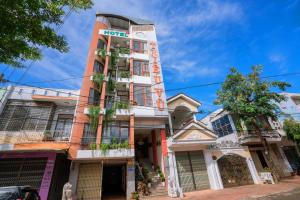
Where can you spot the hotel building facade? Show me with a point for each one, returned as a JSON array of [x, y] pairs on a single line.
[[121, 117]]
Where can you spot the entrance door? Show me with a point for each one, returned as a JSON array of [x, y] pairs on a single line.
[[113, 181], [234, 171], [192, 171], [89, 181]]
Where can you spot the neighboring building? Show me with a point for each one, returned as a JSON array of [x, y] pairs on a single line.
[[199, 159], [123, 91], [35, 128], [290, 109], [226, 127]]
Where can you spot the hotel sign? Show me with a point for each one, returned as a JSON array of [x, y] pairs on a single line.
[[113, 33], [156, 72]]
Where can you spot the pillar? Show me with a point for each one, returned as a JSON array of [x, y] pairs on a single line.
[[131, 131], [154, 148]]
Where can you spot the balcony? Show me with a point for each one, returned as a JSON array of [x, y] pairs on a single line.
[[253, 138], [108, 154]]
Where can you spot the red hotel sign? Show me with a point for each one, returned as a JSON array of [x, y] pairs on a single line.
[[157, 77]]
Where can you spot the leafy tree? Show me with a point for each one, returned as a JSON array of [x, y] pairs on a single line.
[[27, 25], [250, 98], [292, 129]]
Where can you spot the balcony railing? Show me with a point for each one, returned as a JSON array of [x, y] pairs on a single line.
[[253, 136], [28, 136]]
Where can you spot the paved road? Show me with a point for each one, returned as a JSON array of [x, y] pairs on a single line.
[[290, 195]]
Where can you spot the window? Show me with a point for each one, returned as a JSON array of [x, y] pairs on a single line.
[[89, 135], [98, 67], [101, 44], [118, 131], [222, 126], [140, 68], [94, 97], [63, 126], [139, 46], [24, 117], [142, 95]]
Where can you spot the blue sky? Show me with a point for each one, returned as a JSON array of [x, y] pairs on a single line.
[[199, 41]]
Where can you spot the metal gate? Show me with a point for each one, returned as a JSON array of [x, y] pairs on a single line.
[[234, 171], [89, 181], [22, 171], [192, 171]]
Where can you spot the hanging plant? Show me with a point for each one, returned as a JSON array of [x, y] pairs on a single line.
[[111, 85], [94, 112], [124, 50], [122, 105], [101, 52], [109, 114], [114, 58], [125, 74], [98, 79]]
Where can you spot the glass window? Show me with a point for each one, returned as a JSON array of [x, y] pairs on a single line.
[[118, 130], [98, 66], [139, 46], [23, 117], [222, 126], [101, 44], [143, 95], [89, 135], [63, 126], [140, 68], [94, 97]]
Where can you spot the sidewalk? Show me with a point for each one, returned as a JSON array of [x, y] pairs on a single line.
[[244, 192]]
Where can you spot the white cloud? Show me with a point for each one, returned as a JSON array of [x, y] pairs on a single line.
[[186, 70], [276, 58], [175, 26]]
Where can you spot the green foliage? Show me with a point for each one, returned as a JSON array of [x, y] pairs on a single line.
[[94, 112], [93, 146], [111, 85], [121, 105], [101, 53], [98, 79], [28, 25], [125, 74], [114, 59], [109, 114], [292, 129], [104, 147], [135, 195], [249, 97], [124, 50]]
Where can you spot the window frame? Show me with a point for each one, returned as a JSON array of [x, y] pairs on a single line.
[[142, 89], [144, 65]]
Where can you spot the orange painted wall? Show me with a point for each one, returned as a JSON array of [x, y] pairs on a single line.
[[81, 118]]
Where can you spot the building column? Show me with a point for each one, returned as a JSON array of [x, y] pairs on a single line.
[[103, 93], [131, 131], [130, 179], [46, 181], [154, 148], [212, 171], [173, 182], [253, 171]]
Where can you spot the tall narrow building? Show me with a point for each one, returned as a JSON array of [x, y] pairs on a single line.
[[121, 117]]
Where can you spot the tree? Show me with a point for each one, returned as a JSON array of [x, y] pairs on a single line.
[[292, 129], [250, 98], [27, 25]]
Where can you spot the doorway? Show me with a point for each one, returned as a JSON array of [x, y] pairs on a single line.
[[114, 182]]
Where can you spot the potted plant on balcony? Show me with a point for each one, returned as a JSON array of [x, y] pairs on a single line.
[[125, 74], [101, 52], [134, 196], [111, 85], [98, 79]]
